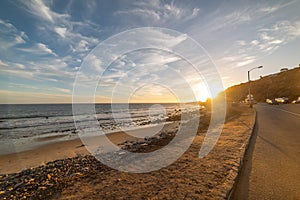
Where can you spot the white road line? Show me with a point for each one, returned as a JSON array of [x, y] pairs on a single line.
[[296, 114], [288, 112]]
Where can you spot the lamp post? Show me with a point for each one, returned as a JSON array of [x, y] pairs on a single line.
[[249, 89]]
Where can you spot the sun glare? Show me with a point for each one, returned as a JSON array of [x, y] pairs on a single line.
[[201, 92]]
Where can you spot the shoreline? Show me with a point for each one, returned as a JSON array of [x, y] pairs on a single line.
[[51, 150], [210, 177], [11, 146]]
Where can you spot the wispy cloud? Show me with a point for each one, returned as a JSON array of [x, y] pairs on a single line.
[[48, 70], [39, 49], [233, 16], [254, 42], [228, 21], [246, 61], [61, 24], [17, 73], [3, 64], [268, 9], [63, 90], [280, 33], [41, 10], [11, 65], [59, 36], [8, 96], [159, 11], [61, 31], [265, 42], [10, 36], [283, 27], [44, 59]]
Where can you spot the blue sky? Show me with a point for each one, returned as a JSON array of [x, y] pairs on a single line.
[[44, 43]]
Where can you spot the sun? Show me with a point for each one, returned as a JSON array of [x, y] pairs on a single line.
[[201, 92]]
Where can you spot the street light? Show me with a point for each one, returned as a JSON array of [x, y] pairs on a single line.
[[249, 98]]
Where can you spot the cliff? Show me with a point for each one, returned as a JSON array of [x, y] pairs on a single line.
[[282, 84]]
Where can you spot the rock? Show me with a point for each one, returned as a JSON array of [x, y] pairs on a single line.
[[80, 146], [17, 185], [76, 174]]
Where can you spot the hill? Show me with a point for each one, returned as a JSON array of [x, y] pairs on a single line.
[[282, 84]]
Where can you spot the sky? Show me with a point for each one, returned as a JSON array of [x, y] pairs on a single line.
[[46, 46]]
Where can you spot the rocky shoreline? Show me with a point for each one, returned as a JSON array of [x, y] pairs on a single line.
[[85, 177], [47, 181]]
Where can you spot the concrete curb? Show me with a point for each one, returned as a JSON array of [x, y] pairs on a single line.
[[230, 192]]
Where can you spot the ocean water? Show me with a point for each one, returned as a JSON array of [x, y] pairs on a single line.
[[22, 125], [31, 120]]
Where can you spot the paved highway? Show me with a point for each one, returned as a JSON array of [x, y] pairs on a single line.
[[272, 163]]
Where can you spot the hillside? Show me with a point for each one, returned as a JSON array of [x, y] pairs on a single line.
[[283, 84]]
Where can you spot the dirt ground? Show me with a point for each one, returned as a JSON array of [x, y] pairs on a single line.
[[189, 177]]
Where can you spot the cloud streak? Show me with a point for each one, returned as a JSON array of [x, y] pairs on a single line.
[[39, 49], [49, 45], [10, 36], [61, 24], [159, 12], [41, 10]]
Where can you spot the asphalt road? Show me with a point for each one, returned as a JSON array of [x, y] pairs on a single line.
[[272, 164]]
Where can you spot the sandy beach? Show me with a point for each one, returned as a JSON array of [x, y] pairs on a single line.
[[84, 177], [54, 150]]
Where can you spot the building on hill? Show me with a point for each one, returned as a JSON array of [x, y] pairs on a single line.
[[284, 69]]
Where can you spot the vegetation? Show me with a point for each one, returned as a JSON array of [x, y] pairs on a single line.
[[282, 84]]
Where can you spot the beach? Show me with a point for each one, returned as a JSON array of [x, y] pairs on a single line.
[[53, 150], [83, 176]]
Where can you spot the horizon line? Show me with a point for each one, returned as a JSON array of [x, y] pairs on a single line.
[[98, 103]]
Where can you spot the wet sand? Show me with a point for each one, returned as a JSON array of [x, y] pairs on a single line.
[[53, 150]]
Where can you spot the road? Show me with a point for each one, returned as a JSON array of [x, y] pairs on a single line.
[[272, 164]]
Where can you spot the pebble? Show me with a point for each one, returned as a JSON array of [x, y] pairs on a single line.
[[49, 180], [18, 184]]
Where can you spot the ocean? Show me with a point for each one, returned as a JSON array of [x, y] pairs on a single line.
[[22, 125]]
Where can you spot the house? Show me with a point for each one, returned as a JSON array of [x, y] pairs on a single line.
[[284, 69]]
